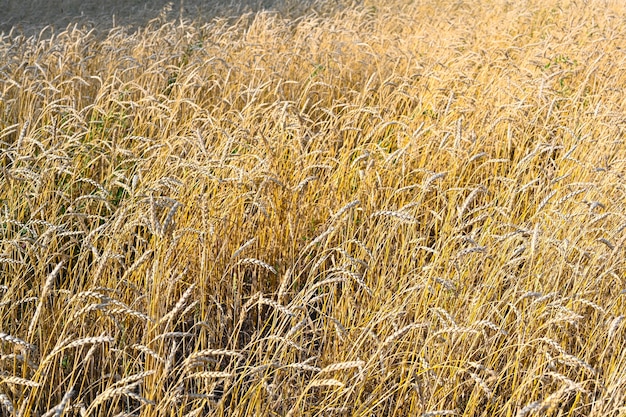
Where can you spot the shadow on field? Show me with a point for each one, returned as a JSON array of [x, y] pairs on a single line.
[[29, 17]]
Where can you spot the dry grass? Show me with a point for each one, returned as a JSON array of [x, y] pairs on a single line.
[[373, 210]]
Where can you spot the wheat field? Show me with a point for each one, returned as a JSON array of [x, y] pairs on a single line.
[[366, 209]]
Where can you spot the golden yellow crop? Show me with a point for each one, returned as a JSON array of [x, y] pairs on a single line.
[[378, 209]]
